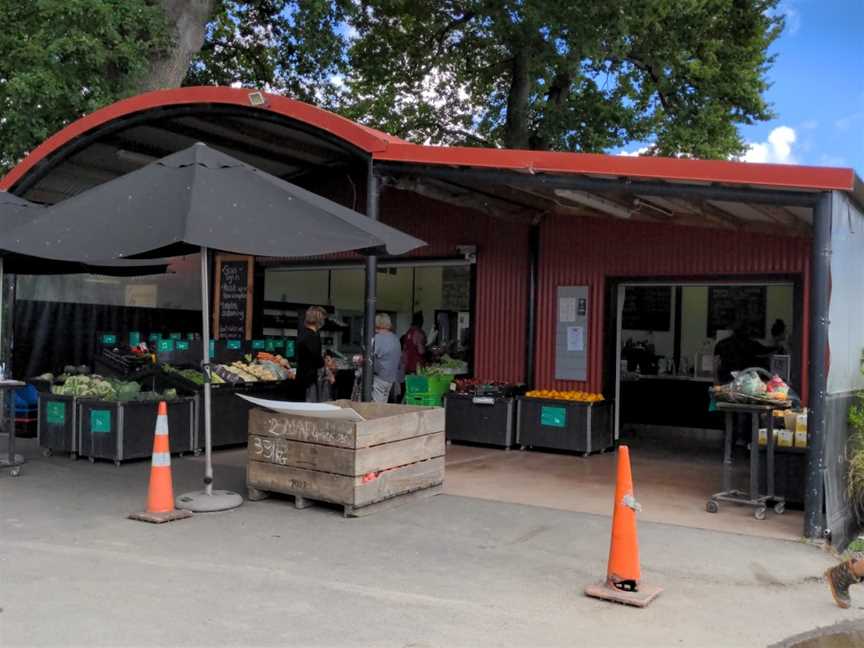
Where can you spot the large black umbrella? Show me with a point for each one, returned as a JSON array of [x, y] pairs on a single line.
[[201, 199], [16, 212]]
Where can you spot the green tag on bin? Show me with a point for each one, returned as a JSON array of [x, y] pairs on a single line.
[[153, 337], [289, 348], [258, 345], [553, 416], [190, 336], [55, 412], [100, 421], [235, 345], [176, 336], [278, 344], [164, 346], [134, 338], [182, 345], [269, 346], [109, 339], [212, 348]]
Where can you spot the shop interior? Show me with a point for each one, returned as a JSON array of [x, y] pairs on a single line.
[[441, 291]]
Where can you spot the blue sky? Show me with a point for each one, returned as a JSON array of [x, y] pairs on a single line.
[[818, 88]]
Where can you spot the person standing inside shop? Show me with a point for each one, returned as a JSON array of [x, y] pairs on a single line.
[[309, 357], [386, 357], [414, 344]]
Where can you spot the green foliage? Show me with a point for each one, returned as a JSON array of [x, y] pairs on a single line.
[[855, 452], [574, 76], [61, 59], [288, 47]]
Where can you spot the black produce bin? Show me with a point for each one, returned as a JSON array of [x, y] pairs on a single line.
[[57, 428], [124, 430], [565, 425], [480, 419], [790, 468], [229, 414]]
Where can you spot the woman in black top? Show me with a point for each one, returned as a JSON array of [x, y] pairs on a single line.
[[309, 357]]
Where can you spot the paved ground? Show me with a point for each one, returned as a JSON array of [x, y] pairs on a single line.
[[672, 486], [449, 571]]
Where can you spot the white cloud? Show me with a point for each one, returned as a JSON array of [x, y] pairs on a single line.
[[777, 149], [790, 13], [640, 151]]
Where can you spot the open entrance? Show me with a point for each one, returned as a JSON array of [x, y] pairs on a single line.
[[440, 292]]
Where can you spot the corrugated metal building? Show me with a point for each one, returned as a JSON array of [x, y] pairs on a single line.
[[539, 221]]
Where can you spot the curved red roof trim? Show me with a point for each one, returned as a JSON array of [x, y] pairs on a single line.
[[384, 147], [364, 138], [657, 168]]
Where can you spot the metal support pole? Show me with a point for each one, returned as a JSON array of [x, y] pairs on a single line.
[[205, 367], [531, 325], [372, 189], [820, 280]]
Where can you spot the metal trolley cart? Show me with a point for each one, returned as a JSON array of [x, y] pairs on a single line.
[[752, 498]]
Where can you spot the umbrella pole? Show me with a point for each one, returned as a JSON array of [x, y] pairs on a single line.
[[207, 500]]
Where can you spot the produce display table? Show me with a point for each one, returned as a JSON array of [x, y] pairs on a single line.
[[481, 419], [395, 454], [565, 425], [119, 431], [760, 503], [7, 418]]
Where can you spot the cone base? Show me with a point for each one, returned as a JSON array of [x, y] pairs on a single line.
[[159, 518], [607, 592], [201, 502]]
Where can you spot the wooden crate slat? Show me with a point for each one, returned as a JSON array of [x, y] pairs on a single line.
[[299, 428], [399, 453], [399, 481], [297, 481]]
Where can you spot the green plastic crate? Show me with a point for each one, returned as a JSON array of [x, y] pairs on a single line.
[[435, 385], [424, 400]]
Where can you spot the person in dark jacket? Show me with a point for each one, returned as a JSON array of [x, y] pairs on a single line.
[[309, 357]]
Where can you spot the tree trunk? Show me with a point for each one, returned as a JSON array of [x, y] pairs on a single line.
[[187, 22], [516, 126]]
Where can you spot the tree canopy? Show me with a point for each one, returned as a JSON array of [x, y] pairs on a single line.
[[679, 76], [61, 59]]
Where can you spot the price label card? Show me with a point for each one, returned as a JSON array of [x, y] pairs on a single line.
[[190, 336], [212, 348], [165, 346], [109, 338], [235, 345], [182, 345], [553, 417], [289, 348], [55, 412], [100, 421], [278, 344], [258, 345], [153, 337], [176, 336], [269, 346], [134, 338], [483, 400]]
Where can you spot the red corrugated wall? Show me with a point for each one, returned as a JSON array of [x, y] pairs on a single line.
[[502, 273], [585, 251]]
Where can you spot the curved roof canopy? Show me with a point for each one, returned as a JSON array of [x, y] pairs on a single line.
[[292, 140]]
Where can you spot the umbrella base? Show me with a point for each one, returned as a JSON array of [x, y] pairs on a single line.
[[201, 502]]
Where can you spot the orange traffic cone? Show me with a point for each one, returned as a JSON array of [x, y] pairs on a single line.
[[160, 494], [623, 576]]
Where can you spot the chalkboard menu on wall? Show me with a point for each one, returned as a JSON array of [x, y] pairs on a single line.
[[647, 308], [728, 303], [232, 308]]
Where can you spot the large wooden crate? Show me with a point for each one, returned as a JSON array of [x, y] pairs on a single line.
[[395, 454]]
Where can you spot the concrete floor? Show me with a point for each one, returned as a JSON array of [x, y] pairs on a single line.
[[672, 486], [448, 571]]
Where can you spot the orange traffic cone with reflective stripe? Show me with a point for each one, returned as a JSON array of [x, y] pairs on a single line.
[[160, 494], [623, 575]]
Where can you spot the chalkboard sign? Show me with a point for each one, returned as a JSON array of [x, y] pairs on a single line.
[[233, 303], [647, 308], [726, 304]]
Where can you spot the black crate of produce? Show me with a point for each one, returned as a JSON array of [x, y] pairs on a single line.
[[480, 419], [565, 425], [57, 428], [229, 414], [124, 430]]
